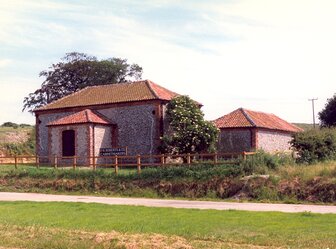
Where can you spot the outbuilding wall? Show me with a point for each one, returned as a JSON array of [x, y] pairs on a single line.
[[102, 137], [245, 139], [235, 140], [273, 141], [43, 136], [81, 142], [138, 127]]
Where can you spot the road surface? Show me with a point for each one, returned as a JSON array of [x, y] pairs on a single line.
[[288, 208]]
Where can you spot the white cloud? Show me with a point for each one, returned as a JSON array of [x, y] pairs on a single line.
[[13, 91], [27, 23], [4, 62], [266, 55]]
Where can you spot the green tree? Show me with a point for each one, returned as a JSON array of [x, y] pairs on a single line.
[[76, 71], [10, 124], [188, 131], [328, 115], [315, 145]]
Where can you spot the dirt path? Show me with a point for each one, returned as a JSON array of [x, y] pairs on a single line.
[[288, 208]]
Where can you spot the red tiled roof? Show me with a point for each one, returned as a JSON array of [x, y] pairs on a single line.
[[112, 93], [161, 92], [82, 117], [246, 118]]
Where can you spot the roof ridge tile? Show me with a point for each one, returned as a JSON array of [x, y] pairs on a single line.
[[141, 90], [87, 114], [149, 85], [58, 100], [248, 117], [81, 117], [241, 118]]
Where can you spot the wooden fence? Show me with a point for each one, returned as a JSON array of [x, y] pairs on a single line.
[[137, 161]]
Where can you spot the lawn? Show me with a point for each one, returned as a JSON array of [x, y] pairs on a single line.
[[79, 224]]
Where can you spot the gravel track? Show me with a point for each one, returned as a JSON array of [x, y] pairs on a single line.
[[288, 208]]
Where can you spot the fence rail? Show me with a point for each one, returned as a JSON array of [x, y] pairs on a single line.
[[116, 162]]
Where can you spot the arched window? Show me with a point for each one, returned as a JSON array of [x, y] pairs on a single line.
[[68, 143]]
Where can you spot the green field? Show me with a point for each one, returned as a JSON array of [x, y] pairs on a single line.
[[57, 225], [20, 131], [17, 141], [306, 126]]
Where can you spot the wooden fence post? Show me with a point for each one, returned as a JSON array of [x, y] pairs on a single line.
[[94, 163], [74, 162], [244, 155], [55, 162], [116, 164], [37, 162], [162, 160], [188, 159], [15, 162], [139, 164], [215, 158]]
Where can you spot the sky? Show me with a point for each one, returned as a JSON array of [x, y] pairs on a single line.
[[264, 55]]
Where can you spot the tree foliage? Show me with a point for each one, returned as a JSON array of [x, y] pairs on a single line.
[[315, 145], [76, 71], [328, 115], [10, 124], [15, 125], [188, 131]]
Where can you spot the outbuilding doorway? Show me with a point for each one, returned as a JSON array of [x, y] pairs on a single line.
[[68, 143]]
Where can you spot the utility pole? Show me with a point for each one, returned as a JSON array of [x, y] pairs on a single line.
[[313, 102]]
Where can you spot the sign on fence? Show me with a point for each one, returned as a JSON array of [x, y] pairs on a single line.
[[120, 151]]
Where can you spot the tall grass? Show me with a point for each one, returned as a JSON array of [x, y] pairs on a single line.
[[262, 162], [284, 180], [308, 172], [196, 172], [282, 165]]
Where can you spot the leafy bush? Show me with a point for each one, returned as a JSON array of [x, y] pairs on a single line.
[[188, 131], [25, 125], [26, 148], [14, 148], [261, 162], [315, 145]]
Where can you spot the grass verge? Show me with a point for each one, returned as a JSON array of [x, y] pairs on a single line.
[[286, 184], [195, 227]]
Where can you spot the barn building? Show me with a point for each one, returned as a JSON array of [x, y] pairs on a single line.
[[127, 115], [246, 130]]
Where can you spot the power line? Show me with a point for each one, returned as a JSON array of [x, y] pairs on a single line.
[[313, 103]]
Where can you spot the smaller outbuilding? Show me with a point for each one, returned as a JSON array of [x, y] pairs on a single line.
[[246, 130]]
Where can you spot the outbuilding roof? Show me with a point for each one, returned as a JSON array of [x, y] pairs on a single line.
[[82, 117], [112, 93], [241, 118]]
